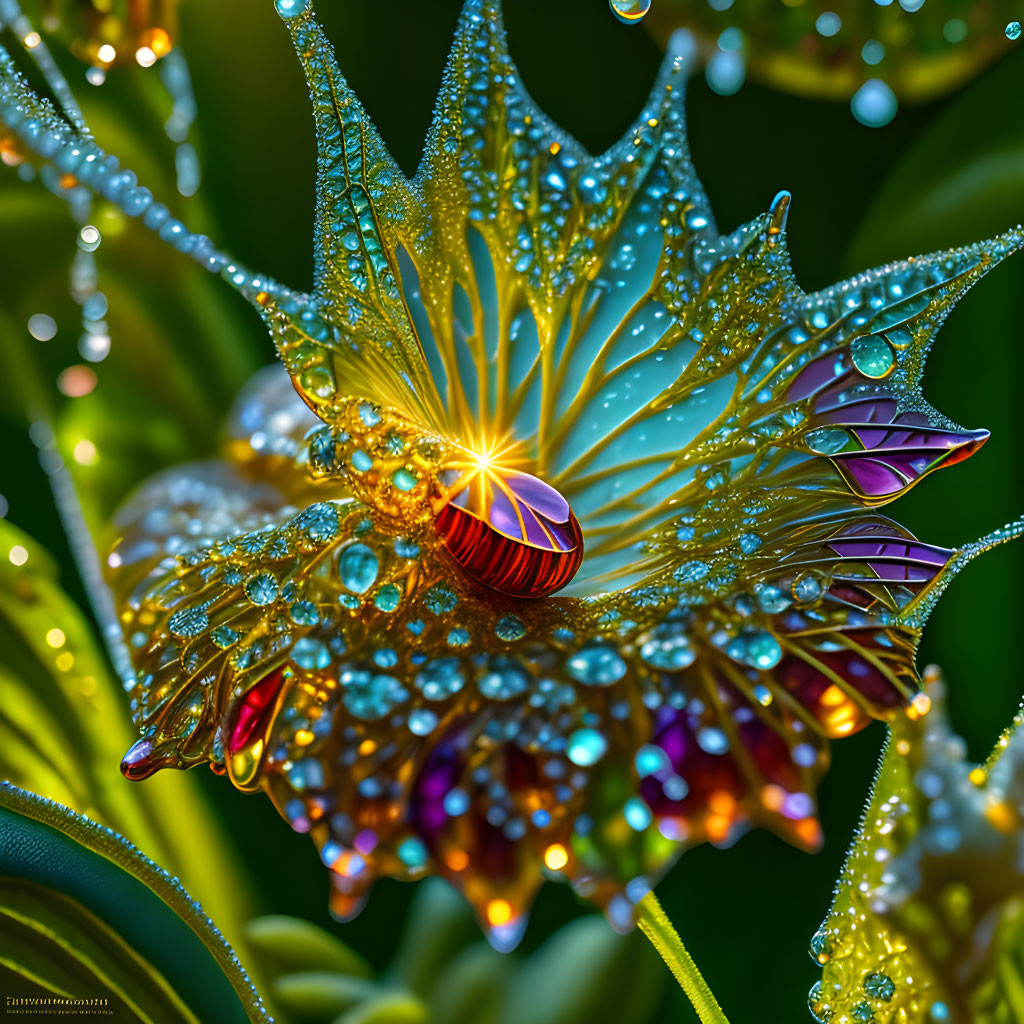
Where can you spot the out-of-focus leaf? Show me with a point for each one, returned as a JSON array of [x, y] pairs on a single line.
[[472, 987], [64, 728], [440, 924], [928, 919], [318, 996], [83, 912], [285, 944], [961, 180], [387, 1008], [585, 972]]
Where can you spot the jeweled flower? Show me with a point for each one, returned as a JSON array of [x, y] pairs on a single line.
[[528, 369]]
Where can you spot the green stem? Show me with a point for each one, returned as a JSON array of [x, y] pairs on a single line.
[[665, 939]]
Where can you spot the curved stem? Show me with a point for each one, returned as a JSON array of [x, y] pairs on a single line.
[[658, 928]]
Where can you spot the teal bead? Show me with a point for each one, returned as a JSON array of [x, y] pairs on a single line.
[[388, 597], [404, 479], [357, 568]]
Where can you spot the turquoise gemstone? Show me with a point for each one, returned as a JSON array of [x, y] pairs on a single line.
[[261, 589], [188, 622], [404, 479], [510, 628], [361, 461], [357, 568], [320, 522], [388, 597], [304, 613], [440, 599], [224, 637]]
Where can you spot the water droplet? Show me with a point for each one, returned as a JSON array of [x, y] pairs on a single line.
[[412, 852], [458, 637], [862, 1014], [637, 814], [291, 8], [42, 327], [872, 356], [807, 588], [317, 381], [955, 30], [504, 680], [310, 654], [827, 440], [820, 1010], [872, 52], [650, 759], [371, 696], [510, 628], [821, 948], [597, 665], [879, 986], [828, 23], [1013, 31], [629, 12], [422, 722], [439, 679], [586, 747], [712, 740], [874, 103], [726, 72]]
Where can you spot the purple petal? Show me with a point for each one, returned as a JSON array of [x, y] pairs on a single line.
[[540, 496]]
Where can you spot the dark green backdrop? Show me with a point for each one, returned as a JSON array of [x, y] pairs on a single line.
[[943, 174]]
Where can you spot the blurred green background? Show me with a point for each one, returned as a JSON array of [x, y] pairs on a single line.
[[940, 175]]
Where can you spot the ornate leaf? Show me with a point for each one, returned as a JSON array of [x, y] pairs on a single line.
[[928, 918]]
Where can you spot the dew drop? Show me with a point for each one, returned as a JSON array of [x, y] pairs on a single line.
[[874, 103], [42, 327], [872, 356], [1013, 31], [629, 12]]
